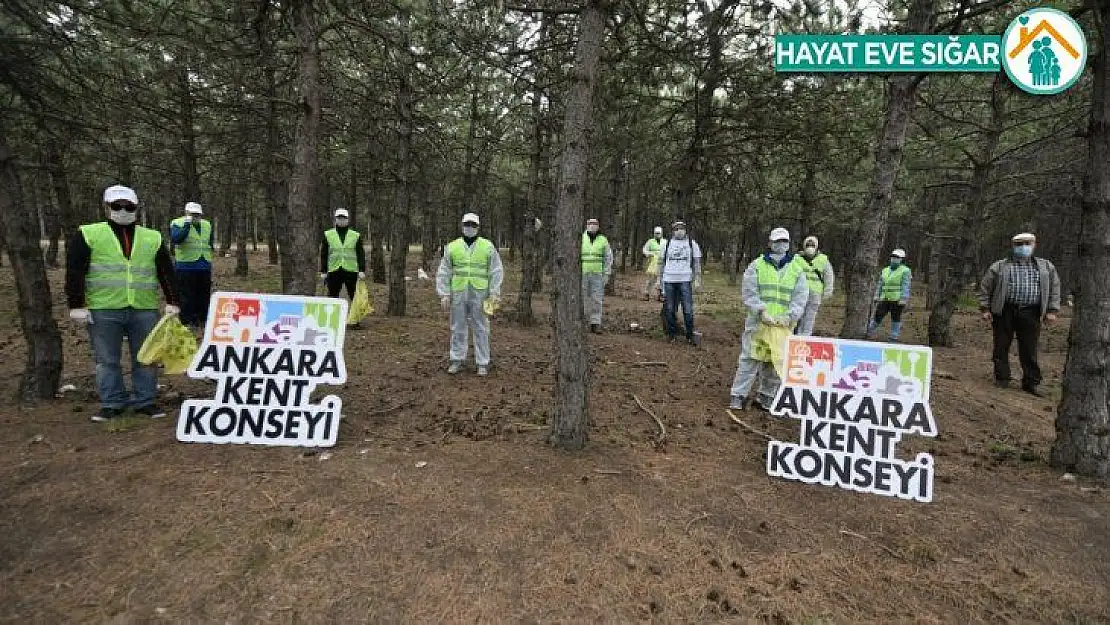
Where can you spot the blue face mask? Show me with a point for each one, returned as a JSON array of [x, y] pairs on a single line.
[[780, 247], [1023, 251], [894, 262]]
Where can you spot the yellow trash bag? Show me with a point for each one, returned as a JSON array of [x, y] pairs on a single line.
[[360, 305], [653, 266], [491, 306], [169, 343], [769, 345]]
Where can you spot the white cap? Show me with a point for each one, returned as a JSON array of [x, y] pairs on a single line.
[[658, 229], [342, 212], [678, 223], [193, 208], [1024, 236], [898, 253], [471, 217], [810, 239], [119, 192], [592, 221], [779, 234]]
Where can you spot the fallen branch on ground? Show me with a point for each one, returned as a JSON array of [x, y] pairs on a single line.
[[650, 363], [531, 427], [877, 544], [747, 427], [608, 471], [662, 437], [704, 515], [405, 404]]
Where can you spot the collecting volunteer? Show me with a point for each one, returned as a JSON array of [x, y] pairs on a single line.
[[892, 293], [652, 250], [469, 274], [192, 244], [774, 290], [679, 276], [342, 256], [114, 270], [597, 266], [1016, 293], [820, 276]]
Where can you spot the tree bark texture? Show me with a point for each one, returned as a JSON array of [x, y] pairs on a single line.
[[572, 363], [1083, 417], [300, 227], [399, 235], [531, 259]]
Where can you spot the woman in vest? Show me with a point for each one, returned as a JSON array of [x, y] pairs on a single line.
[[469, 273], [820, 277], [597, 265], [342, 257], [774, 290], [114, 269], [891, 295], [191, 239]]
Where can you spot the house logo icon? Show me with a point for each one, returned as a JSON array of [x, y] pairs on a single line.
[[1044, 51]]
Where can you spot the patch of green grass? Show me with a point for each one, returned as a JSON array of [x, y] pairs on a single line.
[[125, 423], [967, 301]]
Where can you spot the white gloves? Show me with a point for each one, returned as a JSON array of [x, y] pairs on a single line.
[[445, 303], [80, 316], [902, 302], [172, 310], [362, 275], [606, 283], [188, 219], [323, 277], [765, 317]]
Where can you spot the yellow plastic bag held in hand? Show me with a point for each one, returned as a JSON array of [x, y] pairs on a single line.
[[171, 344], [360, 305], [769, 345], [491, 306]]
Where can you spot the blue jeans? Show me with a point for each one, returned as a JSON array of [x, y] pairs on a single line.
[[672, 293], [106, 332]]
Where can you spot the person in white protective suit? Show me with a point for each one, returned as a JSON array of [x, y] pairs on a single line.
[[652, 250], [774, 290], [820, 276], [597, 266], [469, 273]]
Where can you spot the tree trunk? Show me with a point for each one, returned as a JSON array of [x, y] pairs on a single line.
[[959, 260], [572, 363], [275, 207], [300, 223], [429, 226], [860, 271], [1083, 417], [531, 268], [399, 236], [43, 370], [188, 137]]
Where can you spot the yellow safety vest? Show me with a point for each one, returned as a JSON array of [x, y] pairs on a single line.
[[593, 253], [114, 281], [341, 254], [815, 271], [891, 290], [197, 245], [775, 286], [654, 247], [470, 265]]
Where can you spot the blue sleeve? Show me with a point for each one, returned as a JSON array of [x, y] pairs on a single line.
[[178, 235], [906, 279]]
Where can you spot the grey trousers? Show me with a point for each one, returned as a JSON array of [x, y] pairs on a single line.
[[593, 295], [748, 369], [467, 315]]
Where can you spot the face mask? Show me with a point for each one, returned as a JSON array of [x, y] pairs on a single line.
[[341, 222], [1023, 251], [680, 234], [780, 247], [894, 262], [811, 251], [591, 229], [470, 232], [122, 217]]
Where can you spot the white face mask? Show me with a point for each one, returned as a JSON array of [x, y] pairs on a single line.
[[780, 247], [341, 222], [680, 234], [122, 217], [470, 231], [592, 229], [811, 251]]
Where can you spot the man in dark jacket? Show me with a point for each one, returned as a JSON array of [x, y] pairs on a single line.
[[114, 270], [1015, 295], [342, 256]]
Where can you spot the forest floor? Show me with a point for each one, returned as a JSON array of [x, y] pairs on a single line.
[[121, 524]]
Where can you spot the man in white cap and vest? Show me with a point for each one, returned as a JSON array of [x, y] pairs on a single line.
[[653, 249], [597, 266], [114, 270], [892, 293], [1016, 293], [342, 256], [774, 290], [192, 244], [820, 277], [469, 273]]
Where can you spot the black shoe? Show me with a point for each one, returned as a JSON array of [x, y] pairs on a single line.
[[1002, 383], [151, 410], [595, 328], [106, 414], [690, 340], [672, 339], [1032, 390]]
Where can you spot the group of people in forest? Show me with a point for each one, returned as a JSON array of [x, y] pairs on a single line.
[[115, 269]]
